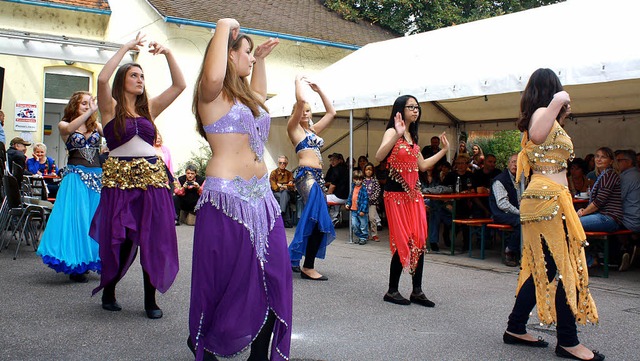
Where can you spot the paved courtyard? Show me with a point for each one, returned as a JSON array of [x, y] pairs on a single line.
[[45, 317]]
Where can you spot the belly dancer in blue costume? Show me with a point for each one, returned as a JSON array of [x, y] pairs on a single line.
[[241, 286], [65, 245], [315, 230]]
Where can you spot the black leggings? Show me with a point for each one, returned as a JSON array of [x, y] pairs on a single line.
[[109, 292], [525, 301], [260, 346], [313, 245], [395, 270]]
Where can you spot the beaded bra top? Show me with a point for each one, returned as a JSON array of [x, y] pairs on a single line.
[[403, 167], [88, 148], [139, 126], [311, 141], [240, 120], [551, 156]]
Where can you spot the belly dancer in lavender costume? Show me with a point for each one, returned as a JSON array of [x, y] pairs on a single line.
[[241, 286], [135, 208]]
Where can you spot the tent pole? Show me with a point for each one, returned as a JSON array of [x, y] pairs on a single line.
[[350, 167]]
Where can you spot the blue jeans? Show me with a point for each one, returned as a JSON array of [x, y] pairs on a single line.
[[598, 222], [360, 225]]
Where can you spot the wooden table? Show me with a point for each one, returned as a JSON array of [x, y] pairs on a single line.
[[454, 197]]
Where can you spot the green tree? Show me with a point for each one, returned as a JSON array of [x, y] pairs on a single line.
[[416, 16], [503, 144]]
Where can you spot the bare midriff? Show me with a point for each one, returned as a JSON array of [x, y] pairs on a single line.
[[560, 177], [233, 157], [308, 158]]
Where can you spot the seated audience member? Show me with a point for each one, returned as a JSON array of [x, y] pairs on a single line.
[[577, 179], [40, 164], [462, 149], [463, 177], [477, 158], [604, 211], [337, 183], [3, 138], [362, 162], [591, 166], [17, 153], [282, 186], [382, 172], [504, 202], [187, 191], [429, 150], [630, 191], [445, 168]]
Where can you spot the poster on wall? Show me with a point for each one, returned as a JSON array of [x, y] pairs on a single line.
[[25, 117]]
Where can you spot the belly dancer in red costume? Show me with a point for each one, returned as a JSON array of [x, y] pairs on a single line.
[[403, 201]]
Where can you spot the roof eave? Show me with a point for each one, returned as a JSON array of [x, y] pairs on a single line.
[[62, 6], [269, 34]]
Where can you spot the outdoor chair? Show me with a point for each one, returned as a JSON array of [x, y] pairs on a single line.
[[26, 221]]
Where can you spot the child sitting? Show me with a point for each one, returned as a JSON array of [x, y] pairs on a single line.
[[358, 204]]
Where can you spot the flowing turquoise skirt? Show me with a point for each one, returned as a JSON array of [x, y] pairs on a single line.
[[65, 245]]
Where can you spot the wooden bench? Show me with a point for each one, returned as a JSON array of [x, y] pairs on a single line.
[[502, 228], [604, 236], [476, 226]]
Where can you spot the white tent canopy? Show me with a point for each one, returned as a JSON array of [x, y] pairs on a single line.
[[474, 72]]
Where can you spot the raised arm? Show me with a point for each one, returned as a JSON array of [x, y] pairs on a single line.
[[424, 164], [70, 127], [106, 103], [259, 74], [293, 124], [543, 118], [214, 66], [390, 138], [330, 111], [159, 103]]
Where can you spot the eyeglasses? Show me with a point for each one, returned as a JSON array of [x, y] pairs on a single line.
[[413, 107], [283, 163]]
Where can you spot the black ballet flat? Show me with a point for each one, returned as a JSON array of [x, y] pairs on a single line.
[[296, 269], [111, 306], [562, 352], [513, 340], [154, 314], [396, 298], [305, 276], [78, 277], [421, 299]]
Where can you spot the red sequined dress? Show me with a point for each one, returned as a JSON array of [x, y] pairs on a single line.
[[404, 205]]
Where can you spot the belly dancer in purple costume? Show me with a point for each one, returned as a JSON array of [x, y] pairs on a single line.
[[241, 286], [135, 208]]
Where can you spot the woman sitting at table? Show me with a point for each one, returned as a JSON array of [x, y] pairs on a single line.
[[578, 181], [604, 212], [41, 164]]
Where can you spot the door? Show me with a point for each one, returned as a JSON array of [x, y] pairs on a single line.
[[55, 146]]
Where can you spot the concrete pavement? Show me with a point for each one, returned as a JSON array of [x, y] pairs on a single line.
[[45, 317]]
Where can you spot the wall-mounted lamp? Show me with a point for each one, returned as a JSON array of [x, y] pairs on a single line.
[[486, 98], [69, 62]]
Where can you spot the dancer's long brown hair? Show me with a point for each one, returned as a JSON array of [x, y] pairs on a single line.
[[234, 87], [141, 105], [71, 111]]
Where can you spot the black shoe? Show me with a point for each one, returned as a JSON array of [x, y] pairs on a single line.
[[510, 259], [177, 222], [561, 352], [396, 298], [111, 306], [154, 314], [296, 269], [421, 299], [434, 247], [78, 277], [288, 225], [513, 340], [305, 276], [208, 356]]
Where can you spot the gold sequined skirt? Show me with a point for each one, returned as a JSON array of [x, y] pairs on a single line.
[[135, 173], [547, 215]]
